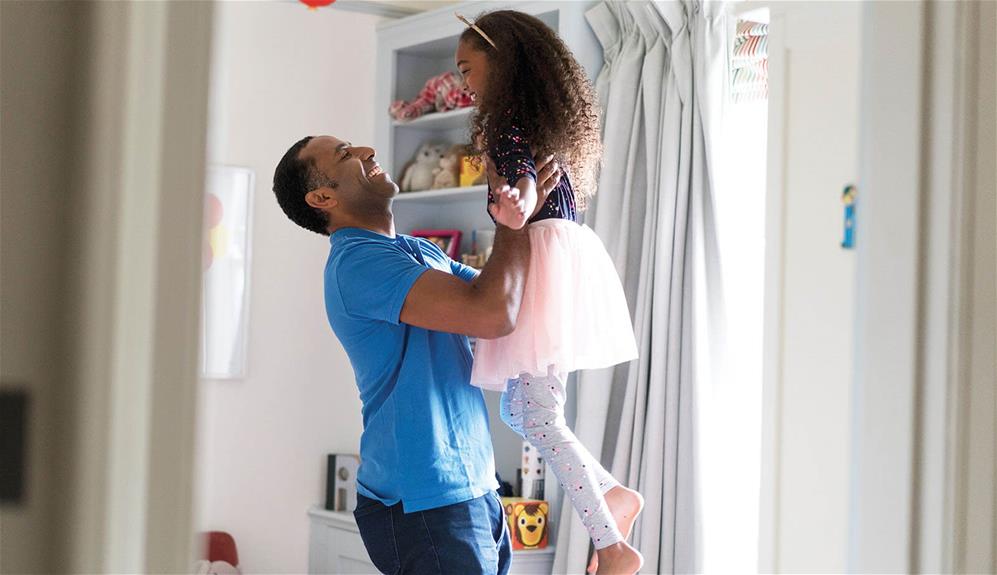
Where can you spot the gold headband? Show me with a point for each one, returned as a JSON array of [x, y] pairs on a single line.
[[476, 29]]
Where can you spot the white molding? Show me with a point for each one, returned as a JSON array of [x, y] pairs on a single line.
[[937, 393], [888, 221], [976, 354], [773, 327], [134, 282]]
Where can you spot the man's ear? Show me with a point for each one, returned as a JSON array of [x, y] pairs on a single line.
[[321, 198]]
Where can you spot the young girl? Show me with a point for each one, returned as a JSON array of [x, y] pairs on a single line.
[[533, 97]]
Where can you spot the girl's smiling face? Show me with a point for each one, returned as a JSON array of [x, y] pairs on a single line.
[[473, 67]]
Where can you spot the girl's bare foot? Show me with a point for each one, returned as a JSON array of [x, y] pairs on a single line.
[[619, 559], [625, 505]]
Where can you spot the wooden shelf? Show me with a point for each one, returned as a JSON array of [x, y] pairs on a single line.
[[454, 119], [445, 195]]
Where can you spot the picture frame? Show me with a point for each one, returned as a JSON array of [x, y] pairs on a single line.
[[227, 253], [447, 240]]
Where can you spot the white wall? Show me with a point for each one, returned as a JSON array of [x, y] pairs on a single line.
[[281, 72]]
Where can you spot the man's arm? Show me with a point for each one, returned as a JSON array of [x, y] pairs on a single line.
[[488, 306]]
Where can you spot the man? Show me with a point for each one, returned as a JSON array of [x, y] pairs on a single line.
[[402, 310]]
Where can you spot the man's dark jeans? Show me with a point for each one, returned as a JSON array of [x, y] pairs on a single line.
[[462, 539]]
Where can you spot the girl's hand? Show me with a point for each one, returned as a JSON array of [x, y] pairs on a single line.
[[508, 209]]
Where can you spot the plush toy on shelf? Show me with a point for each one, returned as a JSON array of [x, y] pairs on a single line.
[[440, 94], [419, 174], [452, 94], [447, 174]]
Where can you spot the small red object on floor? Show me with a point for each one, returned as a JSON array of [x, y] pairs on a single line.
[[220, 546]]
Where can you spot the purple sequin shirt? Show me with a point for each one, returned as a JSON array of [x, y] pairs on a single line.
[[513, 160]]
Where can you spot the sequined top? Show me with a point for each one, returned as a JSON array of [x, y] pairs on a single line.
[[513, 160]]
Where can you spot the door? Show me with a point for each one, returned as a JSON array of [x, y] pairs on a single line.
[[814, 85]]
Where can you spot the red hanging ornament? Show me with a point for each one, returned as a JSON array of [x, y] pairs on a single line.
[[314, 4]]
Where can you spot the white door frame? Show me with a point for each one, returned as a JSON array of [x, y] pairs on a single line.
[[137, 287], [886, 315], [925, 373]]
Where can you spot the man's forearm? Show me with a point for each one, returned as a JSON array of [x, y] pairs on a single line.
[[500, 285]]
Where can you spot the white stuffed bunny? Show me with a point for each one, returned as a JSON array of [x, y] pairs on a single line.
[[419, 175]]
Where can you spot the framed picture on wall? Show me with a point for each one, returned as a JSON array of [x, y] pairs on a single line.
[[447, 240], [228, 203]]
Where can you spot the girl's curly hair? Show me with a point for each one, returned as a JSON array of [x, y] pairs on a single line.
[[535, 81]]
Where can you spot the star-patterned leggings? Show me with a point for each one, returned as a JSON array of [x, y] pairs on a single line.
[[533, 406]]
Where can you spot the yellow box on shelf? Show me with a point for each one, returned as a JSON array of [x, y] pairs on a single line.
[[472, 171]]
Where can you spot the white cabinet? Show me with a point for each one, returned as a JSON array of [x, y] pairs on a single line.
[[335, 547], [334, 544]]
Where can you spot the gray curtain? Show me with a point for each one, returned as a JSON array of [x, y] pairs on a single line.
[[661, 87]]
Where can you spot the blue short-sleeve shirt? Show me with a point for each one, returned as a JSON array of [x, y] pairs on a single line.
[[425, 440]]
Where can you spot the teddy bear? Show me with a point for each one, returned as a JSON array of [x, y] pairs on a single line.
[[447, 174], [419, 174]]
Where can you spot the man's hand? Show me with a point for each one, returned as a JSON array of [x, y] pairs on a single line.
[[548, 176]]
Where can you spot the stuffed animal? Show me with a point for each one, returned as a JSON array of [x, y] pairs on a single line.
[[452, 94], [447, 174], [423, 103], [419, 174], [439, 94]]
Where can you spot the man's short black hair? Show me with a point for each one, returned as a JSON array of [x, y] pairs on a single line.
[[295, 177]]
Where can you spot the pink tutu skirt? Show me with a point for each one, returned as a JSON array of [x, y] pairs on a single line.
[[573, 315]]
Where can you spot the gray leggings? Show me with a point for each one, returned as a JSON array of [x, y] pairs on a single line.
[[533, 406]]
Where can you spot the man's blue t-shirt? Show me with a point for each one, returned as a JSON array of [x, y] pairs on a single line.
[[425, 440]]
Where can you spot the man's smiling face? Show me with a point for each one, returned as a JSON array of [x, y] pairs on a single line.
[[360, 184]]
